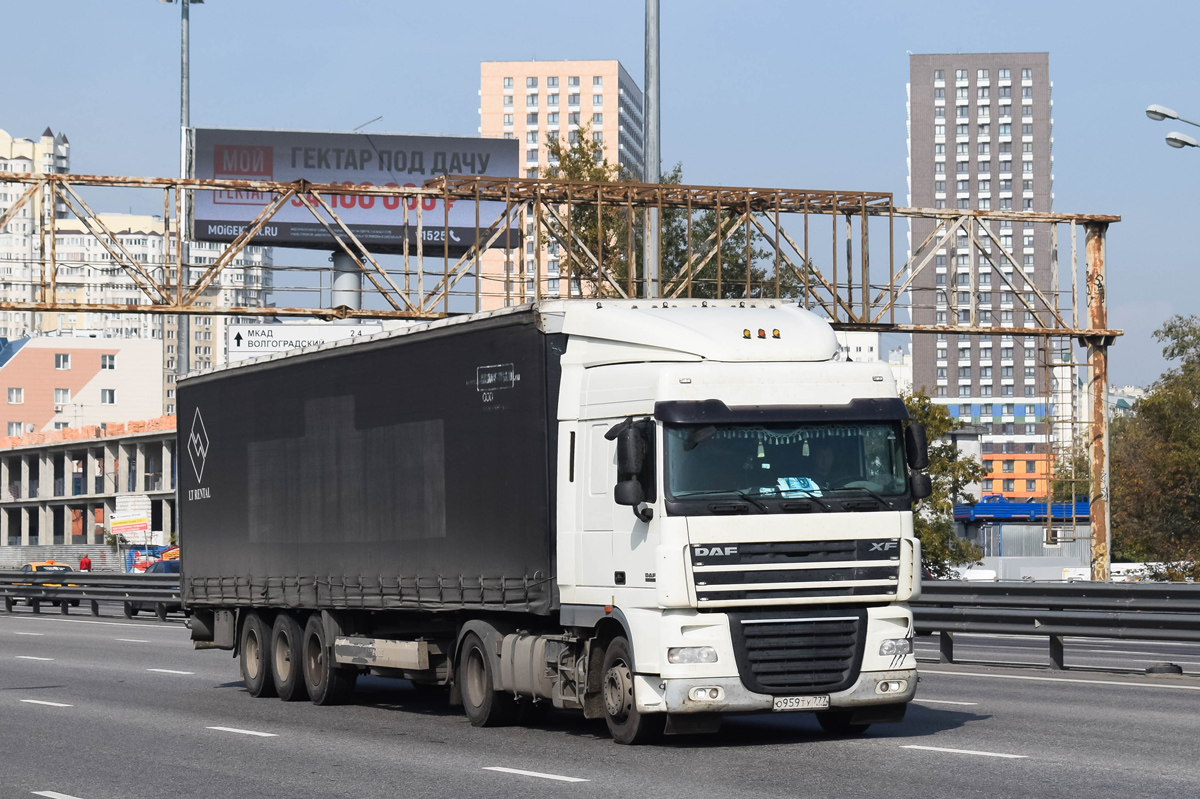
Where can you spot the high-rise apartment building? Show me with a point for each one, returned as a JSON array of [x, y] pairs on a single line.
[[979, 136], [87, 273], [532, 100]]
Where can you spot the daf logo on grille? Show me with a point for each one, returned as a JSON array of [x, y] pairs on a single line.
[[703, 551], [883, 546]]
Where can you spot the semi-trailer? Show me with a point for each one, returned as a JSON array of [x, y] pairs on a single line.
[[654, 512]]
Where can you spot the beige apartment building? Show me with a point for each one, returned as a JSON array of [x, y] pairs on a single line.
[[532, 100]]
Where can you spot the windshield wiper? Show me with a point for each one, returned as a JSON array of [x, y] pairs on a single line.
[[877, 496], [734, 491], [810, 494]]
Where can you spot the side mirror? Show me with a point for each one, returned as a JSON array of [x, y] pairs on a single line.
[[629, 492], [916, 447], [921, 485], [631, 451]]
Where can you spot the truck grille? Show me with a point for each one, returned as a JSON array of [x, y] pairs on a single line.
[[727, 575], [786, 653]]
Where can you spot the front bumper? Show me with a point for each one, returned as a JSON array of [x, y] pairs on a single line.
[[655, 694]]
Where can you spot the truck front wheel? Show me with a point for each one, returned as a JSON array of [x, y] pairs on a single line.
[[326, 683], [286, 658], [484, 706], [256, 669], [625, 723]]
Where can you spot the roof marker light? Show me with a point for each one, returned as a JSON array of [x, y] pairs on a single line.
[[762, 333], [746, 333], [774, 334]]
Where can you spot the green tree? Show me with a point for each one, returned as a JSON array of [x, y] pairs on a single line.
[[1156, 461], [950, 473], [1072, 474], [591, 237]]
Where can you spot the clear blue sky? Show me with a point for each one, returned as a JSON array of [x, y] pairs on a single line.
[[754, 93]]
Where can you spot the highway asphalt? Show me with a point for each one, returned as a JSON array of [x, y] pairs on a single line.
[[108, 708]]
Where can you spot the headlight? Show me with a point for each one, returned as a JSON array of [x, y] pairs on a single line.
[[896, 646], [691, 654]]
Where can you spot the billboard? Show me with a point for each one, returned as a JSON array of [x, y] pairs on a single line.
[[352, 159]]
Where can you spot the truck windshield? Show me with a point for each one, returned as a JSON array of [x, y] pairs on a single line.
[[764, 464]]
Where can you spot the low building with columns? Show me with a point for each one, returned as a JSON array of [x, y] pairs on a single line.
[[61, 488]]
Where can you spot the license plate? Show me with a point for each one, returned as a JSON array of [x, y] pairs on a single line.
[[801, 703]]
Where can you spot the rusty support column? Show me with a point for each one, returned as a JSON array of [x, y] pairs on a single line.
[[1097, 307]]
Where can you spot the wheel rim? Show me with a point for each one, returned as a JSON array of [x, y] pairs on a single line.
[[476, 687], [253, 654], [314, 658], [618, 691], [283, 657]]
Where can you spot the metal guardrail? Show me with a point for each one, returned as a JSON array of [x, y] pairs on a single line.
[[1138, 611], [67, 589]]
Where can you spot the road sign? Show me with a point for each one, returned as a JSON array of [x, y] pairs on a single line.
[[252, 341]]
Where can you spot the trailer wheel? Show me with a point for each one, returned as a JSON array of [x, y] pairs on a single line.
[[325, 682], [484, 706], [625, 723], [287, 660], [130, 610], [256, 668], [838, 723]]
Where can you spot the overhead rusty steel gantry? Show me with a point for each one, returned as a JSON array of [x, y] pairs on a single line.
[[594, 232]]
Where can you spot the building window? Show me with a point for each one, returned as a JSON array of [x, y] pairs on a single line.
[[597, 101], [531, 101], [961, 111], [62, 396], [572, 99], [531, 83], [108, 362], [508, 120], [62, 360], [14, 428], [508, 83], [108, 396], [16, 396], [1002, 74], [531, 155], [552, 100], [552, 83], [938, 75], [1010, 485], [531, 119], [985, 92], [960, 74], [573, 81], [508, 101], [598, 137], [598, 82], [597, 119]]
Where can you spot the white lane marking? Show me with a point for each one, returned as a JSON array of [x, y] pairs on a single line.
[[245, 732], [31, 617], [42, 702], [54, 795], [31, 657], [534, 774], [28, 633], [1063, 679], [967, 752], [129, 640], [941, 702], [170, 671]]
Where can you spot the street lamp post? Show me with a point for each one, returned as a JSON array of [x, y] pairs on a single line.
[[1175, 139]]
